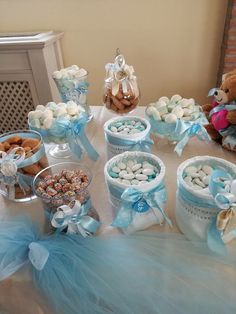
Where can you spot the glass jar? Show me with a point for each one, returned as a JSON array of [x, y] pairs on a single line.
[[22, 157], [64, 184], [75, 89], [121, 92], [61, 148]]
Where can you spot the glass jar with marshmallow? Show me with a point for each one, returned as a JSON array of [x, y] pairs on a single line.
[[72, 84], [55, 123]]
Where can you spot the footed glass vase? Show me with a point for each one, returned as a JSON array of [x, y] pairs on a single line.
[[75, 89]]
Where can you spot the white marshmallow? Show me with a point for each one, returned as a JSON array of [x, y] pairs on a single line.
[[165, 99], [40, 107], [57, 75], [47, 114], [37, 114], [171, 118], [72, 109], [47, 123], [178, 111], [175, 98], [80, 73], [31, 115], [161, 107], [153, 112], [60, 112]]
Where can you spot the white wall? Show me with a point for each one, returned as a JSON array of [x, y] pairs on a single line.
[[174, 45]]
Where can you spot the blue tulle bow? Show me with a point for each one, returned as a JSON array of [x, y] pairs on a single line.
[[75, 134], [225, 201], [187, 130], [76, 219], [135, 201]]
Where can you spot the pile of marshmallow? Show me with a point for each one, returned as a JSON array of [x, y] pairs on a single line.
[[198, 176], [44, 116], [73, 72], [132, 172], [170, 110]]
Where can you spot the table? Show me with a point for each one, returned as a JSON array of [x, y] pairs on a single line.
[[21, 282]]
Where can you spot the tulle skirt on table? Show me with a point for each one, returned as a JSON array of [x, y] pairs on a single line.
[[137, 274]]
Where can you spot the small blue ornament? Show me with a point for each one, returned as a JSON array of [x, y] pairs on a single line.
[[141, 206]]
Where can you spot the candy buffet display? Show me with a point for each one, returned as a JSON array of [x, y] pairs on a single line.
[[66, 199], [206, 200], [127, 134], [121, 92], [222, 112], [63, 124], [177, 119], [22, 156], [72, 83], [135, 181]]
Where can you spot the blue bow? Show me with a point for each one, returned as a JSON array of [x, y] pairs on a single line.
[[75, 218], [75, 134], [9, 164], [187, 130], [221, 187], [135, 201], [143, 145]]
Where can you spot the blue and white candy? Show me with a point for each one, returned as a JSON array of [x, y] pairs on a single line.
[[132, 172], [127, 127]]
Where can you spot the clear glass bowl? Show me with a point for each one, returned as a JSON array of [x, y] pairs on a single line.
[[60, 149], [51, 204], [19, 187]]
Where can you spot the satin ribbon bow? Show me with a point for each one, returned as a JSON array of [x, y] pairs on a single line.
[[223, 189], [9, 163], [75, 219], [75, 133], [188, 130], [121, 73], [142, 145], [135, 201]]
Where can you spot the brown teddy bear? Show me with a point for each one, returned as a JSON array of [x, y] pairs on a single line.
[[222, 112]]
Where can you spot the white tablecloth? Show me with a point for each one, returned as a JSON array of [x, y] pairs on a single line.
[[98, 191]]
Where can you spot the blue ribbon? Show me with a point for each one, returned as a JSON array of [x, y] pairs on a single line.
[[224, 200], [143, 145], [74, 132], [24, 181], [76, 219], [69, 91], [187, 130], [212, 91], [228, 107], [134, 201]]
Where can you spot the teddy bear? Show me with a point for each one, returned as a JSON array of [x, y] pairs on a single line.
[[221, 114]]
